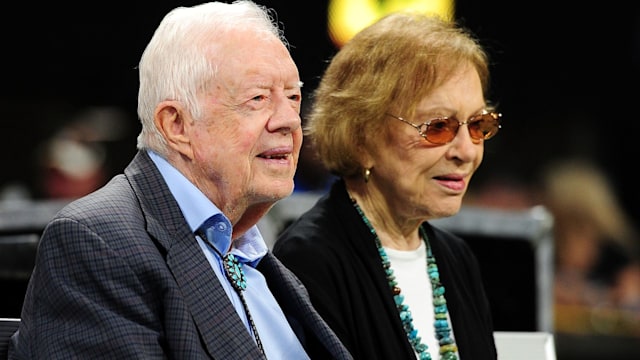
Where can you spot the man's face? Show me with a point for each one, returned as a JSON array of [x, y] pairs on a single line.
[[247, 144]]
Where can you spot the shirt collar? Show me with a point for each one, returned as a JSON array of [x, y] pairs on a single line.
[[197, 208]]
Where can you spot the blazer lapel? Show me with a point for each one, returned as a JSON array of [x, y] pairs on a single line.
[[294, 300], [217, 320], [223, 332]]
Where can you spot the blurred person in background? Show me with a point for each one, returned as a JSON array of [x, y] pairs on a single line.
[[70, 164], [76, 158], [597, 259]]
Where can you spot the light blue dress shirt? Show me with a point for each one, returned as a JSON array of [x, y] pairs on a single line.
[[278, 340]]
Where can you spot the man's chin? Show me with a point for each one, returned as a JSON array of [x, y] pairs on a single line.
[[277, 190]]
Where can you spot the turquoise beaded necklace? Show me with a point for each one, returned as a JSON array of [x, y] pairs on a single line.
[[448, 347]]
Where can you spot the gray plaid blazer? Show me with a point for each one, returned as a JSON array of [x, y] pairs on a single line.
[[118, 275]]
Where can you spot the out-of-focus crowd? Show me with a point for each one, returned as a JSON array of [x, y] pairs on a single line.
[[596, 245]]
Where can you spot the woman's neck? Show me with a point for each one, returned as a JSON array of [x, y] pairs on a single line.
[[394, 231]]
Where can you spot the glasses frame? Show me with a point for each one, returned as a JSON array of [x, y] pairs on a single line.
[[495, 115]]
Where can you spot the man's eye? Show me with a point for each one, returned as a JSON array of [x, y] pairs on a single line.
[[296, 97]]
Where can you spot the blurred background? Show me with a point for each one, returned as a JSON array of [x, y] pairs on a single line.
[[563, 75]]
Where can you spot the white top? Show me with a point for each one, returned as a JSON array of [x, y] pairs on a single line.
[[410, 270]]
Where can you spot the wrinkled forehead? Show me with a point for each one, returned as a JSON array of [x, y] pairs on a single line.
[[248, 49], [242, 61]]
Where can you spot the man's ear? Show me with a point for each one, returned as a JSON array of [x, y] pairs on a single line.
[[171, 120]]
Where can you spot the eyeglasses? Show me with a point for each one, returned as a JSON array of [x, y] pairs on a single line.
[[443, 130]]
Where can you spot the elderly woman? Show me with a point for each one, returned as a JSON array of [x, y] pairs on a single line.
[[400, 116]]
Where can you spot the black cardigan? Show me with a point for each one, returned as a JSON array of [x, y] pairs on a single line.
[[334, 254]]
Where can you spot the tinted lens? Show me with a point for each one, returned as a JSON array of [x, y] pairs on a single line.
[[483, 127], [441, 130]]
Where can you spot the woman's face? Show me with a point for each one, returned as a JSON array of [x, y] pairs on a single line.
[[420, 180]]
